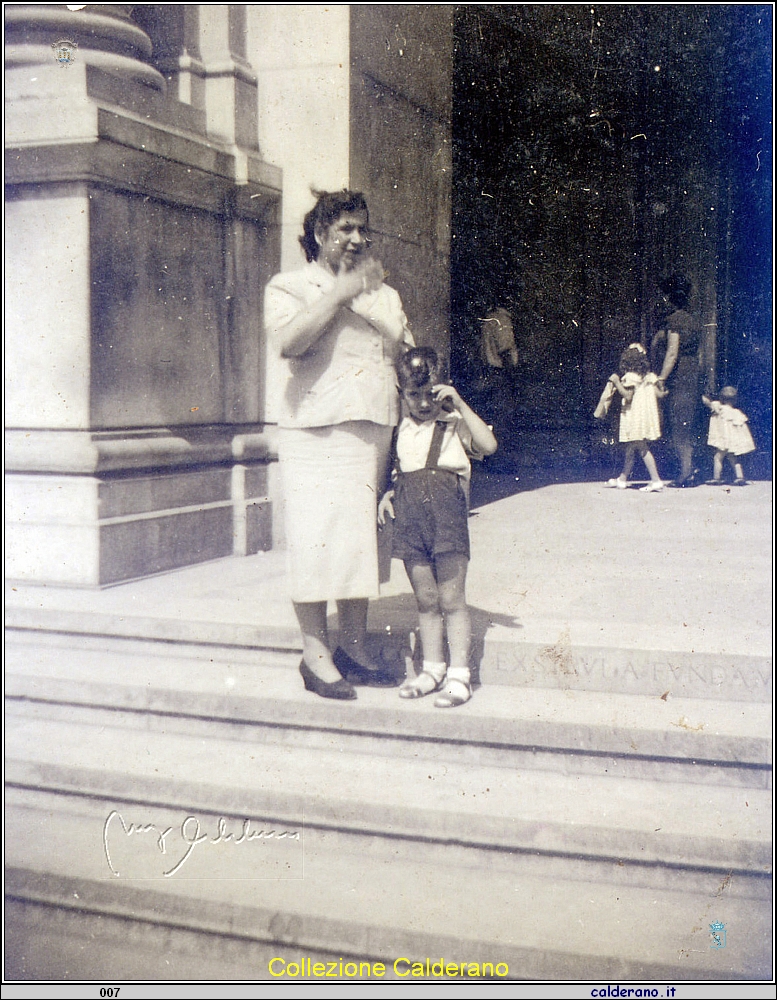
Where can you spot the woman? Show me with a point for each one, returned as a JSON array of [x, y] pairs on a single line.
[[341, 330], [680, 373]]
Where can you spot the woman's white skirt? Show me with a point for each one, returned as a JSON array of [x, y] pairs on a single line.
[[331, 477]]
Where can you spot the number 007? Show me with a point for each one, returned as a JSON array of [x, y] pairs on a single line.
[[109, 991]]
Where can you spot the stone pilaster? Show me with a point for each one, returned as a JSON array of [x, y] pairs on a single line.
[[137, 248], [230, 82]]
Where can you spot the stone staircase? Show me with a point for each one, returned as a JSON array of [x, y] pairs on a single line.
[[587, 815]]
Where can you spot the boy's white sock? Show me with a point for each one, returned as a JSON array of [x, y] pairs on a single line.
[[457, 690], [437, 670], [458, 674], [428, 680]]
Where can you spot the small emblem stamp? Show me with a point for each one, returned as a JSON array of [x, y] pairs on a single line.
[[718, 934], [65, 52]]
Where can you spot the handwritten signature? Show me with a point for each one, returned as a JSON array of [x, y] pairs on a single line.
[[191, 834]]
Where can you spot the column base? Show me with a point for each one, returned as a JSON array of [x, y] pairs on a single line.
[[112, 508]]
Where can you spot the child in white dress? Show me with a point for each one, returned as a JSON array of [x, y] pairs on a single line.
[[728, 434], [640, 421]]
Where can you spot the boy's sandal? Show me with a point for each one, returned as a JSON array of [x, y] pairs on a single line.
[[654, 487], [420, 686], [740, 482], [714, 482], [456, 693]]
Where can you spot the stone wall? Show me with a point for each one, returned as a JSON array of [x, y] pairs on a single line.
[[140, 230], [401, 92]]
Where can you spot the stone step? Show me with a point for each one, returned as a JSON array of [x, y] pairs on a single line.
[[547, 655], [681, 672], [565, 834], [186, 689], [584, 815], [335, 894]]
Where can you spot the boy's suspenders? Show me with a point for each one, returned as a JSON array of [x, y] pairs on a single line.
[[434, 456], [436, 445]]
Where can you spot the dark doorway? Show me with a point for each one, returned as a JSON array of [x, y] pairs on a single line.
[[598, 149]]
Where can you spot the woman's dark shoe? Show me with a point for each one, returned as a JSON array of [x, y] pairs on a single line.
[[341, 689], [355, 673]]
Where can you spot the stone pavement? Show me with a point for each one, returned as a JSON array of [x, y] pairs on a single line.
[[565, 565], [604, 796]]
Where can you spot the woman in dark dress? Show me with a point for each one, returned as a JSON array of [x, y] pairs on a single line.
[[681, 373]]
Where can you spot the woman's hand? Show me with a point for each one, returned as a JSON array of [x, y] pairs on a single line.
[[670, 358], [302, 332], [386, 507], [351, 282], [374, 275]]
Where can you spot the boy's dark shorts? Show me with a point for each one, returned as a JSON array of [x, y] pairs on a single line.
[[430, 516]]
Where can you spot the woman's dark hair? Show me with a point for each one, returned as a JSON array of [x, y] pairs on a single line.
[[328, 209], [677, 289], [634, 360], [418, 367]]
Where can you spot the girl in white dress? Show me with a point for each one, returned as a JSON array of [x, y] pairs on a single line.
[[640, 421], [729, 435]]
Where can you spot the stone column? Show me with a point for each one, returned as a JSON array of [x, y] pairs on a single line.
[[137, 248], [104, 35], [174, 30]]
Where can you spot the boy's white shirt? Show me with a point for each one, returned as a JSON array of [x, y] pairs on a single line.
[[414, 440]]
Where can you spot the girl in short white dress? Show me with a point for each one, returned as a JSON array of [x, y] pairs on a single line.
[[640, 420], [728, 434]]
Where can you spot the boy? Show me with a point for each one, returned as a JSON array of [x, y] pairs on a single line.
[[429, 505]]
